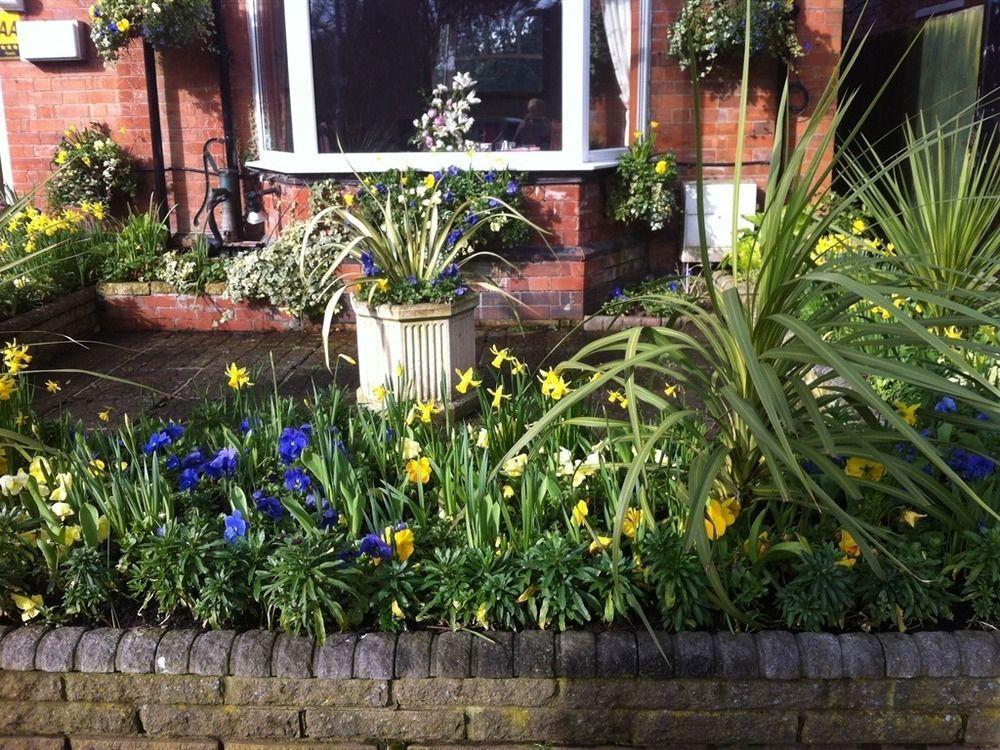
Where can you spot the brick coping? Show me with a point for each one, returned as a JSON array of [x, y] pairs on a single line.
[[767, 655]]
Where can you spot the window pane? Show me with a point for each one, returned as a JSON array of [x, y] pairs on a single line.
[[610, 60], [272, 67], [374, 60]]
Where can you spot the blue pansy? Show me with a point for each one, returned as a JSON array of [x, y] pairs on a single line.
[[236, 527], [269, 506], [249, 424], [292, 442], [452, 170], [411, 280], [454, 236], [946, 405], [158, 441], [223, 463], [471, 217], [390, 435], [461, 290], [368, 264], [189, 479], [511, 187], [617, 293], [448, 196], [490, 176], [493, 203], [174, 431], [297, 480], [374, 546]]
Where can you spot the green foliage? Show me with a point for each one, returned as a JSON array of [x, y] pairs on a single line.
[[820, 593], [88, 584], [678, 579], [134, 251], [979, 567], [561, 579], [91, 168], [645, 186], [917, 595], [653, 296], [709, 32], [307, 584]]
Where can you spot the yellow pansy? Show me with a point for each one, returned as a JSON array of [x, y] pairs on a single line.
[[429, 181], [661, 167], [466, 381], [599, 544], [507, 491], [404, 543], [30, 606], [239, 377], [418, 470], [721, 515], [382, 285], [348, 199], [863, 468], [908, 412], [124, 25], [849, 547], [580, 513]]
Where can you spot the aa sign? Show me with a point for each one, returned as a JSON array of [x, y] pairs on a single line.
[[8, 35]]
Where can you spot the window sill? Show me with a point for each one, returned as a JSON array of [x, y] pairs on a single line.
[[520, 161]]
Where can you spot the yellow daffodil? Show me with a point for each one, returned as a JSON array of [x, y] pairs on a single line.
[[380, 392], [239, 377], [424, 411], [596, 376], [96, 467], [953, 332], [600, 544], [103, 528], [22, 419], [30, 606], [466, 381], [397, 611], [382, 284], [411, 448], [418, 470], [71, 535], [910, 517], [881, 312], [499, 356], [498, 396], [633, 519], [348, 359], [863, 468], [653, 125], [580, 513], [616, 397], [64, 483], [858, 226], [483, 438], [7, 387], [105, 416], [52, 386], [507, 491], [849, 547], [527, 594], [554, 386], [908, 412], [671, 391], [517, 367], [514, 467]]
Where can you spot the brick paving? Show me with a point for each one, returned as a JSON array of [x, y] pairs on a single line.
[[181, 368]]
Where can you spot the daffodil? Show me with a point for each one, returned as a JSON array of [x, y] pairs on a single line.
[[418, 470], [7, 387], [498, 396], [616, 397], [379, 393], [514, 467], [239, 377], [71, 535], [517, 367], [863, 468], [671, 391], [953, 332], [499, 356], [632, 521], [466, 381], [580, 513], [908, 412], [52, 386], [424, 411], [554, 386], [483, 438], [858, 226], [30, 606], [910, 517], [105, 415]]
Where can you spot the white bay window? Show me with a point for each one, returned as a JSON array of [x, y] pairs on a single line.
[[338, 83]]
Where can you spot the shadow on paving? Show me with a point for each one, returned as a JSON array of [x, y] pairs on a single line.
[[181, 368]]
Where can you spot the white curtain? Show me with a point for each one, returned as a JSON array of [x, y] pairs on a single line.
[[618, 29]]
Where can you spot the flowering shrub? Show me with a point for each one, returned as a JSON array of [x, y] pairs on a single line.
[[189, 271], [707, 32], [447, 119], [162, 23], [91, 167], [48, 252], [645, 184]]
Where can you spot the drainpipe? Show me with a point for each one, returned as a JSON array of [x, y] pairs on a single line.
[[231, 174], [155, 132]]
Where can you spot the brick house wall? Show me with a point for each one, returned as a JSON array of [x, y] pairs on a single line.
[[42, 101]]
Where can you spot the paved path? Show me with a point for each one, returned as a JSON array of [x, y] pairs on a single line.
[[187, 367]]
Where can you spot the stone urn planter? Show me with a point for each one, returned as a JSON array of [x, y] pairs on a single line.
[[418, 346]]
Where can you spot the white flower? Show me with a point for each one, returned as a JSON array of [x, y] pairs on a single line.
[[411, 449], [12, 484]]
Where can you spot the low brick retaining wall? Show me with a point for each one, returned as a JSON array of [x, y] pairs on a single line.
[[74, 315], [149, 688]]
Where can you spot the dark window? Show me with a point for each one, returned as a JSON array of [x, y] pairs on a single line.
[[272, 67]]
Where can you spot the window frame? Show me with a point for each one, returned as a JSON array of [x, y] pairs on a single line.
[[575, 155]]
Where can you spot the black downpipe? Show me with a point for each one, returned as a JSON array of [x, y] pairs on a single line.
[[155, 131]]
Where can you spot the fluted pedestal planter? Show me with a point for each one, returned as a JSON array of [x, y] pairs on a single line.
[[418, 346]]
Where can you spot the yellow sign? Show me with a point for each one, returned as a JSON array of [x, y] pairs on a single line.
[[8, 36]]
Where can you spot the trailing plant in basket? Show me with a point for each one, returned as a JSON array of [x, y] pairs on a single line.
[[162, 23], [91, 167], [644, 185]]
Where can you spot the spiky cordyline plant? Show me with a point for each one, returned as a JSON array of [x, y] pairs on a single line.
[[782, 369], [405, 246]]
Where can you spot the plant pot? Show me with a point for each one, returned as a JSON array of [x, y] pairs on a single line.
[[418, 347]]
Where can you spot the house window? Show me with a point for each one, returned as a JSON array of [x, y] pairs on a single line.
[[339, 83]]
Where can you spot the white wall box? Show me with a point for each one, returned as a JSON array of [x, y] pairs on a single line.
[[50, 41]]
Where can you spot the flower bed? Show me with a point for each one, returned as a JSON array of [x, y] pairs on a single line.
[[187, 689]]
